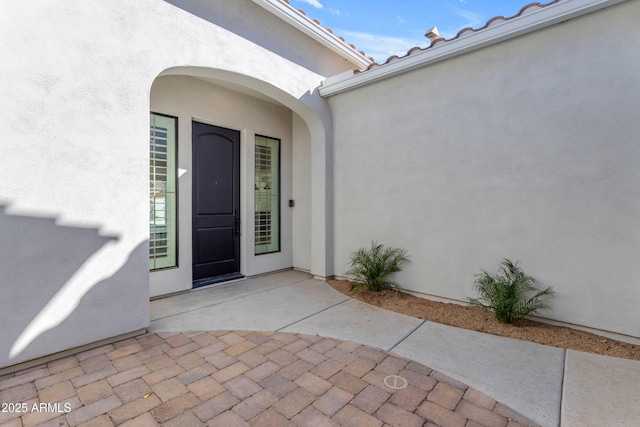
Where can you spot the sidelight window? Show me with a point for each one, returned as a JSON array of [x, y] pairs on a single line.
[[267, 195], [162, 175]]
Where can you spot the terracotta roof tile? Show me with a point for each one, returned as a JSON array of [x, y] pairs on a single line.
[[465, 32]]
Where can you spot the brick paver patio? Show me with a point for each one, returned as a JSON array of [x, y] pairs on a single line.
[[242, 378]]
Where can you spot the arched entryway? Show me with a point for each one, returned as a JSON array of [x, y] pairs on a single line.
[[272, 144]]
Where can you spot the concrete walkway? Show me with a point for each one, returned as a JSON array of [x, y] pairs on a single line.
[[548, 385]]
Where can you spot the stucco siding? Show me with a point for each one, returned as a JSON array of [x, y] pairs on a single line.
[[74, 108], [252, 22], [526, 149], [301, 191]]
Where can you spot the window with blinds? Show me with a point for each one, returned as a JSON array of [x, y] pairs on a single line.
[[162, 177], [267, 195]]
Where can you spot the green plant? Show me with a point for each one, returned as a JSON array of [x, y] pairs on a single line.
[[506, 294], [371, 267]]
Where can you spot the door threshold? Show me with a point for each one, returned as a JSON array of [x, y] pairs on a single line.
[[217, 279]]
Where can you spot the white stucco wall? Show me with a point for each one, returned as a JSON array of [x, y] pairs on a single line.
[[527, 150], [252, 22], [190, 99], [301, 194], [74, 108]]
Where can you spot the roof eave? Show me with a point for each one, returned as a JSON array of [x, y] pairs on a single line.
[[316, 32], [524, 24]]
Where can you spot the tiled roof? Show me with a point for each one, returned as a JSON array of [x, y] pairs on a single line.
[[328, 30], [436, 41]]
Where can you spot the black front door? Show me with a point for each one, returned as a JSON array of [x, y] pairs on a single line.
[[216, 204]]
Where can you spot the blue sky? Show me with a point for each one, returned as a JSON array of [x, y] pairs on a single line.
[[382, 28]]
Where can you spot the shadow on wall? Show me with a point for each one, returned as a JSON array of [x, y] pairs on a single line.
[[37, 259], [236, 18], [247, 19]]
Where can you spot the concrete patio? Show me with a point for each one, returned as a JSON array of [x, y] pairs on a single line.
[[284, 349]]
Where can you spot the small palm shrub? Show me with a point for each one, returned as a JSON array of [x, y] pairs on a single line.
[[370, 268], [507, 293]]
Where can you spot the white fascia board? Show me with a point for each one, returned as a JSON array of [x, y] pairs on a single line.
[[294, 18], [528, 22]]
